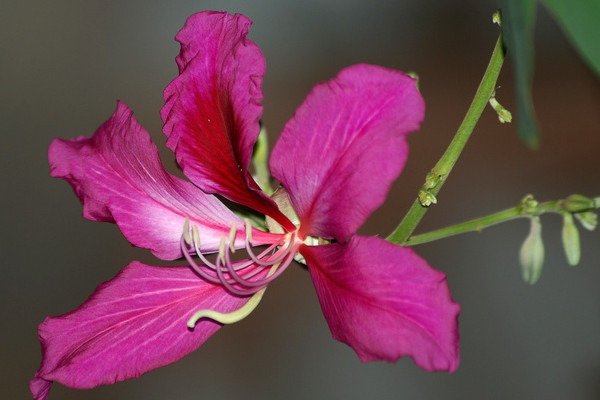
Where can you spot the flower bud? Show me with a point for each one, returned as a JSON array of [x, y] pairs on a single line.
[[578, 203], [532, 253], [589, 220], [570, 239]]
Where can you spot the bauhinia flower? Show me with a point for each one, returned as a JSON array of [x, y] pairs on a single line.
[[335, 161]]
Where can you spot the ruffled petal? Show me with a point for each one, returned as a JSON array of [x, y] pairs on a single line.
[[339, 154], [213, 108], [118, 176], [132, 324], [385, 302]]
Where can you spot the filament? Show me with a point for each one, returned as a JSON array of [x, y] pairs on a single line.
[[241, 278]]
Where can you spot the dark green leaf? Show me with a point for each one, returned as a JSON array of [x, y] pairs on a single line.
[[518, 22], [581, 21]]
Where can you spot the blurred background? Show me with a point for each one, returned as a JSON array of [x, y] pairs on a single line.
[[65, 63]]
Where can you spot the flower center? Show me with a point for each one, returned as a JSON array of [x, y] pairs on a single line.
[[282, 199], [244, 277], [248, 277]]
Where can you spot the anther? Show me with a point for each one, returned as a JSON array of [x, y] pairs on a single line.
[[186, 231], [248, 231], [232, 232]]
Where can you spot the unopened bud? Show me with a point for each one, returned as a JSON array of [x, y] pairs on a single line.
[[570, 239], [588, 219], [578, 203], [532, 253]]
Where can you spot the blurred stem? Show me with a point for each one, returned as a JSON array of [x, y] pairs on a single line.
[[260, 158], [528, 207], [438, 175]]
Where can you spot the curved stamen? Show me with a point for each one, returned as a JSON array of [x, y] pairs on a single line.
[[254, 257], [240, 279], [194, 265], [231, 276], [226, 282], [243, 281], [278, 270]]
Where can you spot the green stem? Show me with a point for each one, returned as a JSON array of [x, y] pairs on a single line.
[[475, 225], [528, 207], [440, 172]]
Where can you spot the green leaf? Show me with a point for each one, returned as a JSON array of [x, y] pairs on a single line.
[[518, 22], [580, 20]]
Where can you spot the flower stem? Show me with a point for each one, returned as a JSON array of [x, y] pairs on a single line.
[[528, 207], [439, 173]]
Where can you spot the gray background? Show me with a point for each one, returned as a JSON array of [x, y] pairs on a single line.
[[65, 63]]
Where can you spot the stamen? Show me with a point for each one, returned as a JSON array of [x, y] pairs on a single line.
[[248, 231], [196, 241], [230, 276], [228, 318], [227, 283], [257, 259], [186, 231], [195, 266], [232, 232], [243, 281]]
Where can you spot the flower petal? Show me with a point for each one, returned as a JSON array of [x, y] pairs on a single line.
[[339, 154], [118, 176], [213, 108], [130, 325], [385, 302]]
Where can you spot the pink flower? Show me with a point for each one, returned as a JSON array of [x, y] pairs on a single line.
[[335, 160]]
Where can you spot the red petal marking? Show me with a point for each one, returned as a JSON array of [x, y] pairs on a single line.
[[212, 109]]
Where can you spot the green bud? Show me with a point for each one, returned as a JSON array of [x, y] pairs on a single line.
[[570, 239], [588, 219], [578, 203], [532, 253]]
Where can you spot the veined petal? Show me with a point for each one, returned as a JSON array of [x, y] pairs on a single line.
[[339, 154], [212, 109], [132, 324], [385, 302], [118, 176]]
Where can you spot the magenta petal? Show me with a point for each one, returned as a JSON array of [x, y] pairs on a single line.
[[339, 154], [213, 108], [385, 302], [130, 325], [118, 176]]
